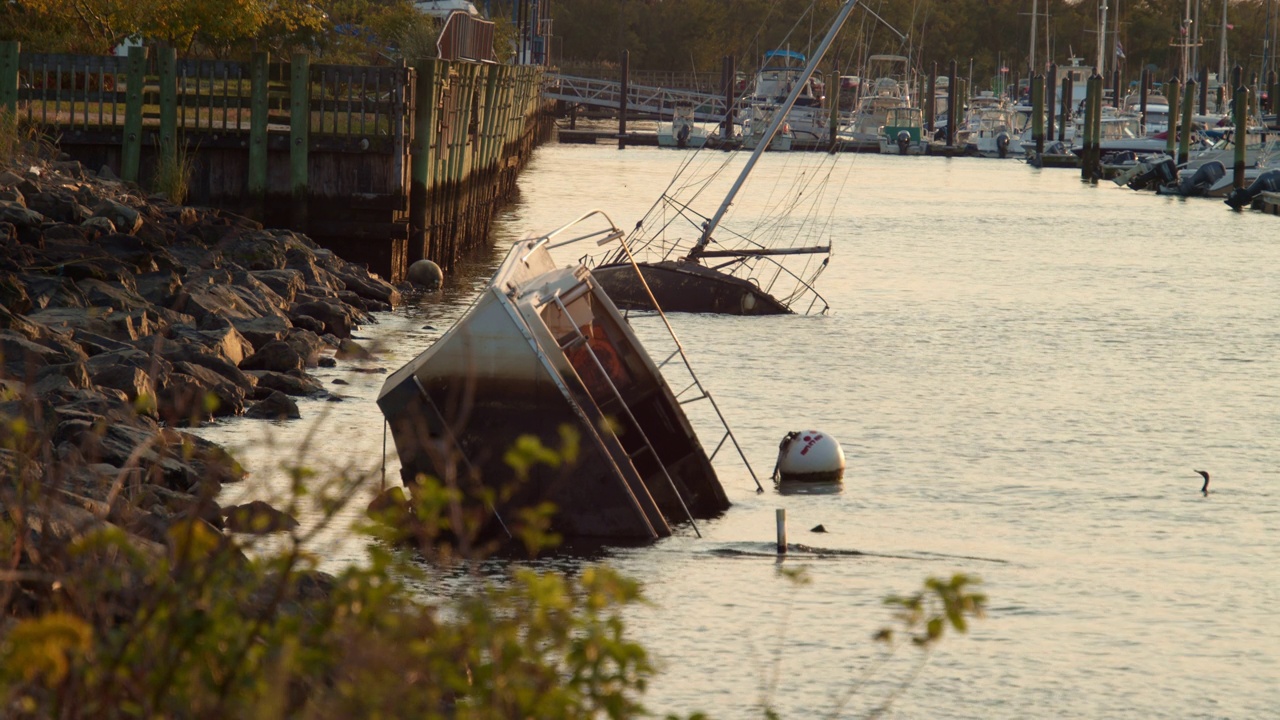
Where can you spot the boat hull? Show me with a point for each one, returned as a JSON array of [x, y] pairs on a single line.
[[683, 286], [543, 353]]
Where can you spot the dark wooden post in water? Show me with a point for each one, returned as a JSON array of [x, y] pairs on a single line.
[[1117, 96], [257, 181], [1273, 94], [1051, 84], [9, 52], [1089, 169], [132, 145], [1142, 99], [1184, 141], [730, 97], [1204, 90], [930, 101], [424, 124], [623, 89], [1068, 106], [1171, 133], [299, 135], [953, 107], [833, 115], [1240, 115], [168, 62], [1037, 112]]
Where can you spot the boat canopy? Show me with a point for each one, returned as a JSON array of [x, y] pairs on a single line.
[[785, 55]]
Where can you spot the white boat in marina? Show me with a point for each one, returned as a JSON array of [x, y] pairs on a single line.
[[683, 131], [990, 128], [1156, 119], [544, 351], [889, 90], [806, 121]]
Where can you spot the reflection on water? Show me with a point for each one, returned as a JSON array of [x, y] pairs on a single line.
[[1023, 372]]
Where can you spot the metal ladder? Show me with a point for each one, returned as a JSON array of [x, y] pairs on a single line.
[[578, 339]]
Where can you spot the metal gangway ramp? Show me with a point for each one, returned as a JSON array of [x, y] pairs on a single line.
[[640, 98]]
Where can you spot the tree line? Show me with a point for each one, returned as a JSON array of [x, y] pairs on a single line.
[[694, 35]]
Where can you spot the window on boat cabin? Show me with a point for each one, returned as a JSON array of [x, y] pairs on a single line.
[[584, 334]]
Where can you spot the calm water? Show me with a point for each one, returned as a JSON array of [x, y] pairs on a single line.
[[1023, 372]]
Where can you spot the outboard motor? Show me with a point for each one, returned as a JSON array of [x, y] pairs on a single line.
[[1203, 179], [1002, 144], [682, 137], [904, 141], [1162, 173], [1268, 181], [1055, 148]]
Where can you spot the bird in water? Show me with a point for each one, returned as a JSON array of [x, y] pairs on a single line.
[[1205, 488]]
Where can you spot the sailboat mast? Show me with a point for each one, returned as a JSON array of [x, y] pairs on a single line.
[[1102, 41], [1115, 40], [1222, 47], [774, 123], [1031, 62], [1186, 43]]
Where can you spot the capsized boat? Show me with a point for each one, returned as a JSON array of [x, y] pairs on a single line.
[[544, 348], [768, 270]]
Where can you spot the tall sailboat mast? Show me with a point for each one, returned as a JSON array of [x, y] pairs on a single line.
[[774, 123], [1222, 48], [1102, 42], [1032, 60]]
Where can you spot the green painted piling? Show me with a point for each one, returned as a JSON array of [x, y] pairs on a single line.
[[1240, 111], [1037, 112], [299, 135], [257, 180], [168, 61], [9, 52], [1184, 140], [1173, 93], [131, 147]]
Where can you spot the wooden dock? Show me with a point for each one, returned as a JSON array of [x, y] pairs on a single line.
[[384, 165]]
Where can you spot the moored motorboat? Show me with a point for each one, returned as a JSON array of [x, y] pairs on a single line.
[[544, 351]]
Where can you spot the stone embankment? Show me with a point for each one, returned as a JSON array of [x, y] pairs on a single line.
[[124, 318]]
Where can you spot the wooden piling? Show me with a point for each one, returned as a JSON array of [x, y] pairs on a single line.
[[730, 97], [1184, 139], [1171, 133], [1117, 92], [953, 104], [1068, 107], [1240, 113], [931, 101], [1143, 89], [1037, 112], [1097, 126], [257, 181], [168, 62], [780, 517], [9, 53], [1204, 90], [131, 147], [1050, 107], [624, 89], [299, 135], [424, 124]]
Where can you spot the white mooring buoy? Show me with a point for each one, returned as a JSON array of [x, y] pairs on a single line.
[[809, 456]]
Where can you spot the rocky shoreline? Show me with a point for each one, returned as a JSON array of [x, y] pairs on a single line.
[[124, 318]]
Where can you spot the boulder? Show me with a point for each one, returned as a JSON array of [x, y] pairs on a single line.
[[260, 331], [257, 518], [275, 406], [285, 283], [289, 384], [277, 356], [230, 396], [160, 287], [134, 382], [225, 342], [24, 358], [126, 219], [337, 318]]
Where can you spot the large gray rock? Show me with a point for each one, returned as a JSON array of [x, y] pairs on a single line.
[[205, 357], [289, 384], [134, 382], [337, 318], [276, 356], [126, 219], [24, 358], [225, 342], [275, 406], [230, 396], [285, 283], [260, 331]]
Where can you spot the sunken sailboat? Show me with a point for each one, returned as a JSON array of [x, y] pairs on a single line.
[[770, 270], [542, 350]]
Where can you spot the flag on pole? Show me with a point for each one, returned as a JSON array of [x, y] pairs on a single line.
[[1119, 49]]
